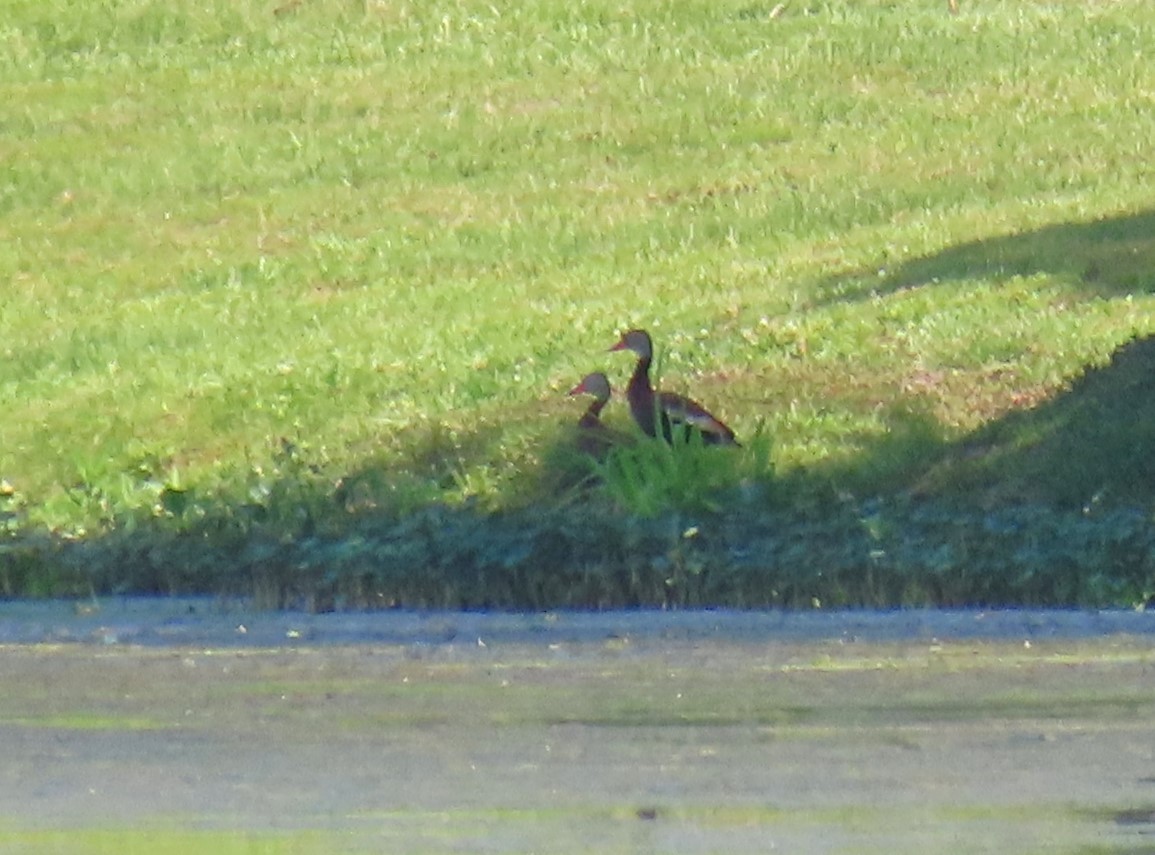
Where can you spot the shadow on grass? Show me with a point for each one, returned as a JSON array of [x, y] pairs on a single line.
[[1111, 256], [1051, 506], [1094, 443]]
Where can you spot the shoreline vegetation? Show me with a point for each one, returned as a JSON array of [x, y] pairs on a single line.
[[293, 298]]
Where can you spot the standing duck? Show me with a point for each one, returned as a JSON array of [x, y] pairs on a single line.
[[594, 437], [667, 409]]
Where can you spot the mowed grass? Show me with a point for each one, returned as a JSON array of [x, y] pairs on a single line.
[[362, 249]]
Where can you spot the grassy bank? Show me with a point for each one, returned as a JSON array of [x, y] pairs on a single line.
[[294, 294]]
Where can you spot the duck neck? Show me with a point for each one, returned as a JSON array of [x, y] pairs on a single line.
[[640, 394]]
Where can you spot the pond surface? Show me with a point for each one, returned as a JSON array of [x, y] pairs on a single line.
[[193, 725]]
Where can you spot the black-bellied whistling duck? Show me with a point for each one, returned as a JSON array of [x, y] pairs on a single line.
[[598, 385], [668, 410], [594, 437]]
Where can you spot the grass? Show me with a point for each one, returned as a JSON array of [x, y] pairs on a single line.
[[263, 265]]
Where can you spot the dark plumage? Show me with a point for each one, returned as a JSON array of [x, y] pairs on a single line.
[[667, 410]]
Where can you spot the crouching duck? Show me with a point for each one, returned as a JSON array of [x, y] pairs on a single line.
[[595, 438]]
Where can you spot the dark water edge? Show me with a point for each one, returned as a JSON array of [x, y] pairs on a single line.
[[212, 622]]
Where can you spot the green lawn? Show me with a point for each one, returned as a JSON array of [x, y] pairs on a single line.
[[285, 278]]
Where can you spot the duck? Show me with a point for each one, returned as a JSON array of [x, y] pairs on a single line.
[[597, 385], [595, 438], [652, 409]]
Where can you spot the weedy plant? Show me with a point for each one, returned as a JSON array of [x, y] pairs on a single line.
[[650, 477]]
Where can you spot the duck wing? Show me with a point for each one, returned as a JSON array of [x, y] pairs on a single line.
[[679, 409]]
